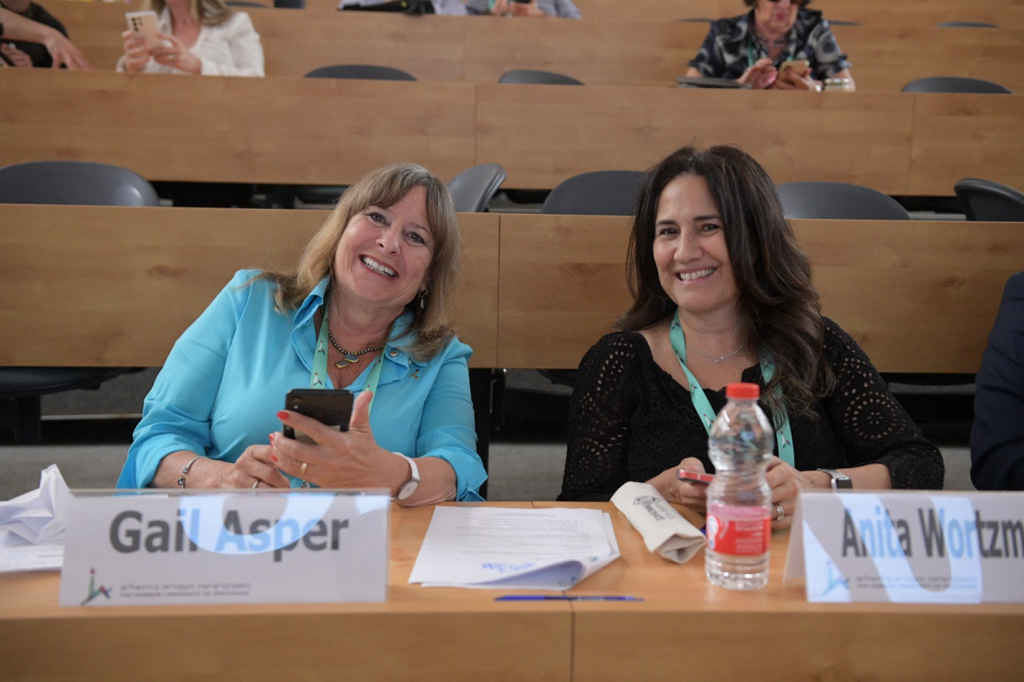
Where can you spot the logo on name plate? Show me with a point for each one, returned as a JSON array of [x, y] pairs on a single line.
[[93, 590]]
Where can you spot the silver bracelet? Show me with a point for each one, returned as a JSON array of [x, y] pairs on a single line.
[[185, 470]]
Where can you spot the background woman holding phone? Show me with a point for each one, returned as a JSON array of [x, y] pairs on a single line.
[[368, 309], [778, 44], [193, 36]]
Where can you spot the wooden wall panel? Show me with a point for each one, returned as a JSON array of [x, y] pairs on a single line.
[[543, 134], [119, 285]]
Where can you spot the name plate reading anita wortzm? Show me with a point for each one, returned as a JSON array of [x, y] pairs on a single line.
[[205, 547], [917, 547]]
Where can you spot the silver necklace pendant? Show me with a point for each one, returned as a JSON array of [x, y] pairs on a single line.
[[719, 360]]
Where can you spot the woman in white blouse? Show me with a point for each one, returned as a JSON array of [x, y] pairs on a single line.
[[198, 36]]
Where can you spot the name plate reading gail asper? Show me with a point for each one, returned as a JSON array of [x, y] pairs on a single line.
[[203, 547], [909, 547]]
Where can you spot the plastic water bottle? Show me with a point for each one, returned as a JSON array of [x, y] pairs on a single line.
[[739, 522]]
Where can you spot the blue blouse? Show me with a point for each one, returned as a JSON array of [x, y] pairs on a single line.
[[226, 378], [730, 48]]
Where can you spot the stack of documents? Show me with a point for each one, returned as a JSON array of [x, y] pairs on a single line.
[[535, 549]]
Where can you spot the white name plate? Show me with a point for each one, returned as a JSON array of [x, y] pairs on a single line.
[[909, 547], [203, 547]]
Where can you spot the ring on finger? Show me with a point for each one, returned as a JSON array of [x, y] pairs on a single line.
[[780, 513], [256, 484], [302, 469]]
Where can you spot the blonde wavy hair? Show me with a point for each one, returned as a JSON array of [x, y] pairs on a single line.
[[384, 187], [204, 12]]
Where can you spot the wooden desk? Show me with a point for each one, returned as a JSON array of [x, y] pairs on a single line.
[[119, 285], [917, 296], [304, 131], [685, 626], [417, 634], [688, 628], [643, 52], [538, 291]]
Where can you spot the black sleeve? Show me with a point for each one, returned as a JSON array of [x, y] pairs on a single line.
[[39, 13], [871, 424], [997, 437], [604, 401]]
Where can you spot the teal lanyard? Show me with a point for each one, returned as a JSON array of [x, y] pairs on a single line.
[[318, 377], [783, 435]]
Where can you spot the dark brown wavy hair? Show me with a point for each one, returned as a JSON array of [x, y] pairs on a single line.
[[779, 310]]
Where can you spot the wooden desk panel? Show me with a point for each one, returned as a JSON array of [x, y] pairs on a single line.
[[273, 130], [687, 627], [966, 136], [417, 634], [917, 296], [121, 284], [543, 134]]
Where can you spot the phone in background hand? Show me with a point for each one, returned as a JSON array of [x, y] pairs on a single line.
[[797, 66], [143, 24], [331, 408], [695, 477]]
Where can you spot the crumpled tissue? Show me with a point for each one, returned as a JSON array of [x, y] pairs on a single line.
[[32, 525]]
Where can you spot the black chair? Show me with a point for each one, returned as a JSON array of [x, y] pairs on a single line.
[[473, 188], [966, 24], [290, 4], [838, 201], [370, 72], [531, 76], [990, 201], [956, 84], [67, 183], [329, 194], [596, 193]]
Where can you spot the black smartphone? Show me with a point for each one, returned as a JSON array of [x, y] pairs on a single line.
[[329, 407]]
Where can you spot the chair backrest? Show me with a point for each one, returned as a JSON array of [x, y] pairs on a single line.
[[991, 201], [473, 188], [361, 72], [844, 22], [956, 84], [537, 77], [838, 201], [74, 182], [290, 4], [966, 24], [610, 192]]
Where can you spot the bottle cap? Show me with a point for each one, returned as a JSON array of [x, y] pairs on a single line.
[[743, 391]]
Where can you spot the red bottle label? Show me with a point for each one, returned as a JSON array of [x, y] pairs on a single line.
[[739, 531]]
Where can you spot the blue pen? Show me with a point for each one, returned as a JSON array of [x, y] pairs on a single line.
[[559, 597]]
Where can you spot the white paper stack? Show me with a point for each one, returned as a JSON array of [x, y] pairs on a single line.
[[535, 549]]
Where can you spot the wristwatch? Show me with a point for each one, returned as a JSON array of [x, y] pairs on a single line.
[[409, 487], [840, 481]]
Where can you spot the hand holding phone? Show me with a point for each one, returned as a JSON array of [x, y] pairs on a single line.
[[798, 66], [331, 408], [143, 25], [695, 477]]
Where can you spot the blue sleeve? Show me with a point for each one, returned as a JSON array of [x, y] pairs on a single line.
[[997, 436], [447, 428], [827, 60], [176, 413]]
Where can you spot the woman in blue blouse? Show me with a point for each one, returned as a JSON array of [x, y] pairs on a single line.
[[750, 48], [368, 309]]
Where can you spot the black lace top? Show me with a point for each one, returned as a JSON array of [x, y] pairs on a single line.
[[630, 420]]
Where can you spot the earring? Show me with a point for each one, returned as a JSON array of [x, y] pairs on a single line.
[[423, 300]]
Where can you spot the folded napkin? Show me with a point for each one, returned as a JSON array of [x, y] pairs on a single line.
[[664, 530], [39, 516]]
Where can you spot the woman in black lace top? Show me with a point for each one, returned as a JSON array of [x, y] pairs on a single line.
[[711, 244]]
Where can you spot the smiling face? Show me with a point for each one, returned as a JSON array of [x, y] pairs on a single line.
[[690, 250], [776, 17], [384, 254]]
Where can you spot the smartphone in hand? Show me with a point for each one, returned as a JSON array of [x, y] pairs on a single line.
[[331, 408], [143, 24], [695, 477]]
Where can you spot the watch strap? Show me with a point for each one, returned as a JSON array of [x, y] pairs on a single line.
[[840, 481], [409, 487]]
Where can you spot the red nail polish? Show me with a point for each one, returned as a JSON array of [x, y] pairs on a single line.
[[282, 415], [271, 438], [273, 457]]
